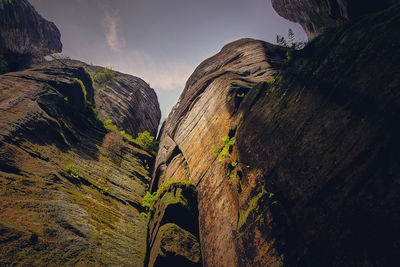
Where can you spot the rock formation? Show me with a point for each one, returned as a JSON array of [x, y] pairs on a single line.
[[295, 162], [127, 100], [68, 196], [24, 34], [70, 190], [266, 160], [315, 16]]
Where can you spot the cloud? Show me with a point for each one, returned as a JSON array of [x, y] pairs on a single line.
[[114, 38]]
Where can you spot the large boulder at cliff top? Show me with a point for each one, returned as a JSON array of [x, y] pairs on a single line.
[[315, 16], [127, 100], [24, 34]]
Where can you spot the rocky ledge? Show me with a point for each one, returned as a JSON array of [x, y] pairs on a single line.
[[315, 16], [25, 35]]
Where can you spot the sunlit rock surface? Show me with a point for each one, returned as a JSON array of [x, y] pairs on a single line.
[[210, 108]]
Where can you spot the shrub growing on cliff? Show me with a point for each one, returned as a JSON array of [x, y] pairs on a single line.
[[289, 45], [114, 142], [71, 170], [222, 152], [145, 140], [149, 199], [112, 127], [83, 87], [105, 77]]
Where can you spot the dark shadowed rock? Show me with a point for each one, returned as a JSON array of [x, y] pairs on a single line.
[[307, 173], [173, 233], [315, 16], [24, 34]]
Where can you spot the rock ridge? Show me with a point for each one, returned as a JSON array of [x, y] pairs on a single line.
[[24, 35]]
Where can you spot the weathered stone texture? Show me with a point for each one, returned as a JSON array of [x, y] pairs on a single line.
[[24, 34], [312, 177], [128, 101], [48, 217], [315, 16]]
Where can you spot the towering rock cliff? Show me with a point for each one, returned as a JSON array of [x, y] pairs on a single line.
[[315, 16], [24, 34], [294, 162], [70, 190]]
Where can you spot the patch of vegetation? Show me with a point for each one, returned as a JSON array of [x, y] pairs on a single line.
[[3, 65], [271, 81], [254, 205], [92, 110], [145, 140], [71, 170], [232, 178], [90, 75], [222, 152], [66, 100], [89, 106], [228, 98], [105, 77], [240, 95], [110, 126], [231, 174], [126, 136], [289, 45], [101, 186], [83, 87], [149, 199]]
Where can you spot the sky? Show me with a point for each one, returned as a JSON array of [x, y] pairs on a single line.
[[160, 41]]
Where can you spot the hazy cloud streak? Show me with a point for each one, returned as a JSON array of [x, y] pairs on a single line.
[[114, 37]]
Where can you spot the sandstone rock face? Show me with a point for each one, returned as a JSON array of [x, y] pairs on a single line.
[[307, 172], [315, 16], [173, 234], [68, 197], [210, 108], [128, 101], [24, 34]]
